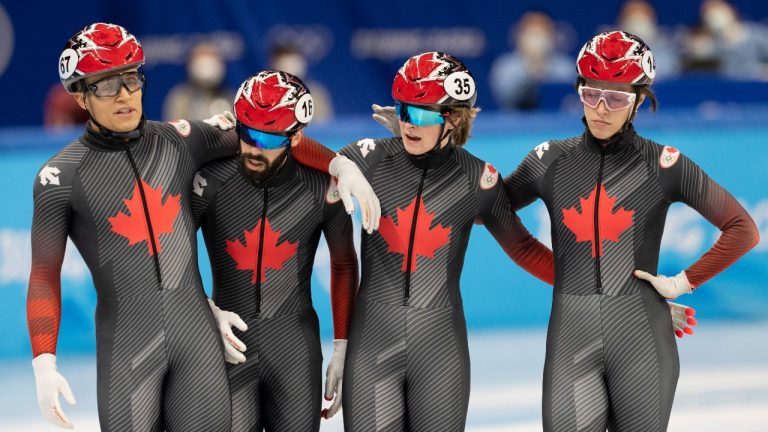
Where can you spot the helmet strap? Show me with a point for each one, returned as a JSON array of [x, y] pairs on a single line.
[[632, 113], [444, 133]]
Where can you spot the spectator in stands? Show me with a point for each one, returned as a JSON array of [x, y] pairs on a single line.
[[204, 93], [60, 109], [738, 49], [515, 76], [638, 17], [289, 58]]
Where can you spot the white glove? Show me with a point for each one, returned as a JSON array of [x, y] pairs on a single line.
[[387, 117], [333, 378], [49, 384], [351, 180], [233, 347], [669, 287], [682, 319], [223, 121]]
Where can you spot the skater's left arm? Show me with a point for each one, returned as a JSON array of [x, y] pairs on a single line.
[[686, 182]]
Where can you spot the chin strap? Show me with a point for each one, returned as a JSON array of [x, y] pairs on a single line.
[[118, 136], [436, 148]]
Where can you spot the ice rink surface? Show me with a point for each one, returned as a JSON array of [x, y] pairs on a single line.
[[723, 383]]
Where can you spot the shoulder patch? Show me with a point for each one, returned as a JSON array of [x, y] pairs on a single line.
[[668, 157], [332, 194], [489, 178], [182, 127], [49, 175], [541, 148], [198, 183], [366, 145]]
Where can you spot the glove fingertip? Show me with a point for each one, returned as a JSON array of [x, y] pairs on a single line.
[[688, 330], [690, 311], [692, 321], [679, 334]]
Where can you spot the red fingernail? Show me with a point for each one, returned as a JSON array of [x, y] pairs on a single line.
[[688, 330], [679, 334], [692, 321], [690, 311], [324, 414], [328, 398]]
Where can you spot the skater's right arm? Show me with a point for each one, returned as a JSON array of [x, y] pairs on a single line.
[[50, 228], [523, 186]]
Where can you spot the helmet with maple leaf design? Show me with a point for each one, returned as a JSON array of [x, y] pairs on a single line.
[[96, 49], [435, 80], [616, 57], [275, 102]]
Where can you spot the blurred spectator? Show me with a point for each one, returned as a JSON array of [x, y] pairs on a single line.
[[639, 18], [516, 76], [699, 53], [61, 110], [737, 48], [288, 58], [204, 93]]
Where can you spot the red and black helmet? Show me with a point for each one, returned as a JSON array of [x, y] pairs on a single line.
[[435, 80], [96, 49], [616, 57], [275, 102]]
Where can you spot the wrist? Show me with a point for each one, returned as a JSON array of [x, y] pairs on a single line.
[[337, 164], [44, 361], [339, 347]]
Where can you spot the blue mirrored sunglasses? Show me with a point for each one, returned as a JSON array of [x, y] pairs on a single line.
[[418, 116], [262, 140]]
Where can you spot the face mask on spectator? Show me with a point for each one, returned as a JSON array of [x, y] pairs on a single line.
[[718, 19], [640, 26], [294, 64], [536, 42], [206, 71]]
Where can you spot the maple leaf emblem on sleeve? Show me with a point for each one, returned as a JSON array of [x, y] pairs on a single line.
[[611, 224], [273, 256], [133, 225], [426, 240]]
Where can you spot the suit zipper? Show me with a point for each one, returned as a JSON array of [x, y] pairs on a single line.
[[261, 251], [412, 239], [598, 243], [146, 216]]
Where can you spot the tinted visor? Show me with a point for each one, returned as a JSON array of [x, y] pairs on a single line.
[[614, 99], [262, 140], [418, 116]]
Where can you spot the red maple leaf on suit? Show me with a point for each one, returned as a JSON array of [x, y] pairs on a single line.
[[274, 255], [426, 240], [133, 225], [611, 224]]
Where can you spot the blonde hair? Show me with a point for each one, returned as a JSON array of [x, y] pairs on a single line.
[[462, 118]]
